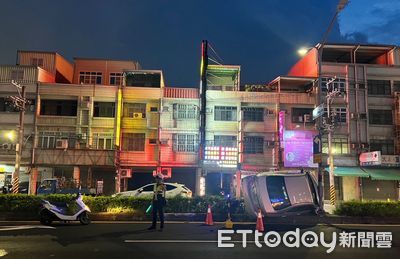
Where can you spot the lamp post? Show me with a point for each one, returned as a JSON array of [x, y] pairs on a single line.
[[19, 101]]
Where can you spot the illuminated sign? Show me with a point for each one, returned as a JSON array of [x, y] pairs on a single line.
[[281, 127], [370, 158], [221, 156], [298, 148]]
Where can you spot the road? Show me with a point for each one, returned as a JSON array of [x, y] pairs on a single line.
[[30, 240]]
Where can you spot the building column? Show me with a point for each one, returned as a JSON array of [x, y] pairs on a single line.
[[77, 176], [238, 184], [200, 183], [33, 180]]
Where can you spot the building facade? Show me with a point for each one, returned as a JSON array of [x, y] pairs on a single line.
[[109, 125]]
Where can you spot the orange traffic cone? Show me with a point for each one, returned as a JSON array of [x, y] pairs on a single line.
[[260, 223], [209, 219]]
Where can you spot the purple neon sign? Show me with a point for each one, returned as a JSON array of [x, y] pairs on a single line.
[[298, 149]]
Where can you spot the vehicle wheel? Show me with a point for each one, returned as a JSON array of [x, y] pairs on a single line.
[[45, 217], [84, 218]]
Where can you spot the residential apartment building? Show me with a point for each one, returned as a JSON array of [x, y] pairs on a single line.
[[367, 114], [110, 125]]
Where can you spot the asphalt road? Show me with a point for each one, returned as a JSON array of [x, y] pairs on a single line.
[[30, 240]]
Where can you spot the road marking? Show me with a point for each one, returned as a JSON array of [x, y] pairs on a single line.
[[24, 227], [180, 241]]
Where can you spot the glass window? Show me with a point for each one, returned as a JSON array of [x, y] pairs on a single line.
[[58, 107], [339, 145], [337, 84], [104, 109], [148, 188], [116, 78], [170, 187], [184, 111], [133, 141], [103, 140], [378, 87], [302, 115], [135, 110], [340, 114], [396, 86], [386, 146], [185, 142], [380, 117], [225, 141], [90, 77], [253, 114], [277, 192], [225, 113], [253, 145]]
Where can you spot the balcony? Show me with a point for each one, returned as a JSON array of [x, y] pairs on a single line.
[[74, 157], [44, 120]]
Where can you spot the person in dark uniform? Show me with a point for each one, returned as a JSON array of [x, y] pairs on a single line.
[[159, 202]]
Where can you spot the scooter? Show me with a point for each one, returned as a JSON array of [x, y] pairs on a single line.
[[58, 211]]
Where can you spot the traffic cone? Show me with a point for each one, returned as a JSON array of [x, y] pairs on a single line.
[[209, 219], [260, 223]]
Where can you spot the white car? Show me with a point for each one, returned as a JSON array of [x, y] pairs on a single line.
[[280, 192], [173, 190]]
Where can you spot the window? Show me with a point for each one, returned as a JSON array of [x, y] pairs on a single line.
[[185, 142], [153, 109], [17, 74], [133, 141], [386, 146], [116, 78], [148, 188], [301, 114], [90, 77], [339, 145], [170, 187], [104, 109], [380, 117], [46, 141], [253, 114], [103, 141], [143, 79], [152, 141], [337, 84], [378, 87], [277, 192], [253, 145], [135, 110], [225, 141], [58, 107], [225, 113], [340, 114], [37, 62], [396, 86], [184, 111]]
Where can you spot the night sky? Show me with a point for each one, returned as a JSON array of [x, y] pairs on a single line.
[[261, 36]]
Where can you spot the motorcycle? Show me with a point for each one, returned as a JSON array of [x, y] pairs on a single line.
[[60, 211]]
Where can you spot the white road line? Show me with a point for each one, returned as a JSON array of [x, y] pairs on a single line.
[[24, 227], [179, 241]]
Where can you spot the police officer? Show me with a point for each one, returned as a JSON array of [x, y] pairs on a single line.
[[159, 202]]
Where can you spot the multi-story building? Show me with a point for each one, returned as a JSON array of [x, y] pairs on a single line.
[[367, 115], [109, 123]]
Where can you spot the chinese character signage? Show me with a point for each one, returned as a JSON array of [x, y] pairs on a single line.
[[221, 156], [298, 149]]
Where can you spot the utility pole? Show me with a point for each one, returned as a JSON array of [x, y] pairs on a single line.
[[203, 99], [340, 6], [18, 102]]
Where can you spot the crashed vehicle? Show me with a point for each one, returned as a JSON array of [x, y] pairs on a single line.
[[280, 192]]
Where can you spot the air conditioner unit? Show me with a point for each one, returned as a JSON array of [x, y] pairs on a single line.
[[164, 141], [138, 115], [125, 173], [165, 108], [85, 104], [62, 143]]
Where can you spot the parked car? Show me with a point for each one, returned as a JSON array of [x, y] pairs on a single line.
[[173, 190], [280, 193]]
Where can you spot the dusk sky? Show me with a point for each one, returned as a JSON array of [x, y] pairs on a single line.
[[261, 36]]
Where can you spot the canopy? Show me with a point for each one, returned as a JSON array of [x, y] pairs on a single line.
[[348, 171], [383, 173]]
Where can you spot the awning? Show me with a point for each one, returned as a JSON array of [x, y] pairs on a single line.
[[348, 171], [383, 173]]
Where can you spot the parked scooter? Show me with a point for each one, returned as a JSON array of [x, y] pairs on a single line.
[[59, 211]]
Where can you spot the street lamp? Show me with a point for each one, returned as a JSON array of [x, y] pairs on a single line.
[[10, 135], [302, 51]]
